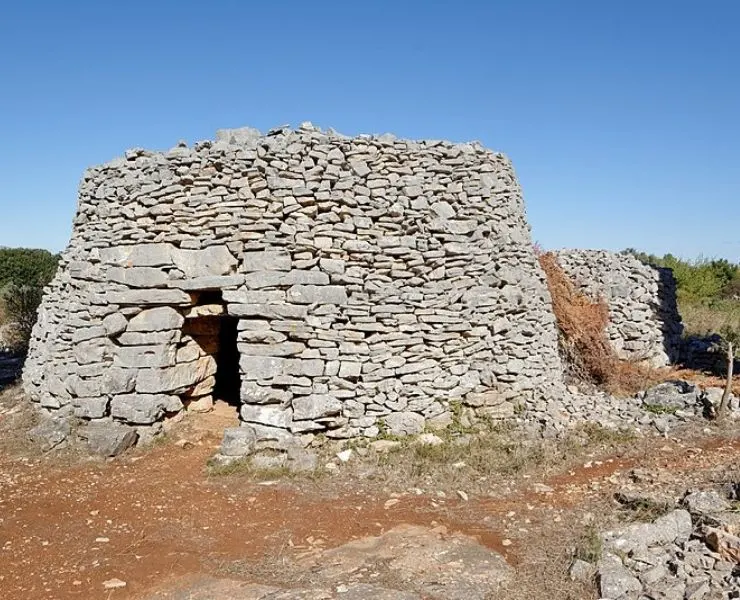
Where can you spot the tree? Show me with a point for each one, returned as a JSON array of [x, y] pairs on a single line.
[[21, 304], [23, 274], [27, 266], [732, 340]]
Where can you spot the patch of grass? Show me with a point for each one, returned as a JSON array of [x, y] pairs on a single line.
[[480, 455], [645, 510], [457, 427], [704, 317], [162, 439], [596, 434], [385, 434], [243, 467], [589, 546], [469, 461]]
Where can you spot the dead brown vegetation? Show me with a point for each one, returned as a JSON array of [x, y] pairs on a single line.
[[584, 345]]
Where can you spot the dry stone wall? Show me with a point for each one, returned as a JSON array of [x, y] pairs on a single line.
[[644, 323], [374, 283]]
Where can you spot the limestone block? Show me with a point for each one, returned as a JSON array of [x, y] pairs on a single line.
[[350, 369], [146, 338], [202, 404], [317, 294], [203, 388], [90, 408], [78, 387], [280, 349], [266, 260], [213, 282], [88, 333], [188, 352], [238, 441], [175, 379], [264, 335], [243, 296], [267, 414], [332, 265], [404, 423], [268, 311], [88, 352], [315, 406], [143, 297], [156, 319], [115, 324], [263, 279], [143, 255], [50, 433], [108, 438], [214, 260], [145, 357], [261, 367], [118, 381], [206, 310], [139, 408], [138, 277]]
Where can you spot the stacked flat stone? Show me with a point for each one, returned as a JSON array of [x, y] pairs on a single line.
[[644, 323], [377, 281]]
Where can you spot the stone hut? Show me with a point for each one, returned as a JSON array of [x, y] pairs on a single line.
[[644, 324], [319, 283]]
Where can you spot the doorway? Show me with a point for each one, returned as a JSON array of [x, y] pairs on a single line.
[[209, 341], [228, 381]]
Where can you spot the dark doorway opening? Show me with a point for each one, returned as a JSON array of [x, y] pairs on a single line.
[[228, 381], [209, 343]]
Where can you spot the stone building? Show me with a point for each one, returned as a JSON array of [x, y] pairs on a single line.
[[644, 324], [319, 283]]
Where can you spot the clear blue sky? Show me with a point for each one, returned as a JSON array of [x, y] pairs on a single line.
[[622, 118]]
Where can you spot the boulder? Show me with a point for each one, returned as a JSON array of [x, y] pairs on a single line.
[[108, 438], [705, 502], [615, 580], [49, 433], [672, 395], [238, 441]]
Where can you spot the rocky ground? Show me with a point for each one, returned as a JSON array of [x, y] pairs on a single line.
[[599, 515]]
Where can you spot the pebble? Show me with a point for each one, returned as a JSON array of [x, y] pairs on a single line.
[[112, 584]]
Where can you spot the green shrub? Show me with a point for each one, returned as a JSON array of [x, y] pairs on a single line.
[[20, 307], [27, 266], [708, 291], [23, 274], [698, 279]]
